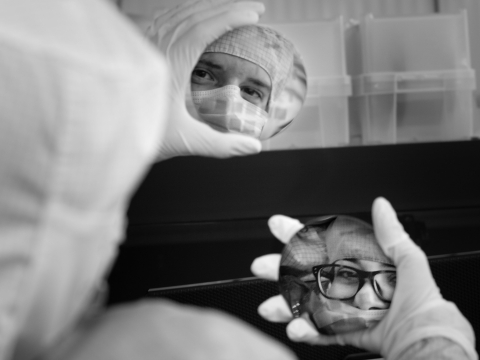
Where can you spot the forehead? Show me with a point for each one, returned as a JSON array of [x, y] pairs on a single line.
[[234, 66]]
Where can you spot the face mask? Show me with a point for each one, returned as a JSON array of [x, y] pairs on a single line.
[[336, 317], [328, 316], [224, 109]]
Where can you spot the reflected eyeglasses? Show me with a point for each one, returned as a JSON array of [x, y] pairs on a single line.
[[340, 282]]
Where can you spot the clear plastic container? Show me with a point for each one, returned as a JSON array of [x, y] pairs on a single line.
[[420, 43], [411, 107], [417, 83], [278, 11], [323, 120]]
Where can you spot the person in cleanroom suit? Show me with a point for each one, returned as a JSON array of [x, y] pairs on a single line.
[[86, 105]]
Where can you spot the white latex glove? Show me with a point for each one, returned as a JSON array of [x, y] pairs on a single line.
[[417, 312], [182, 34], [159, 329]]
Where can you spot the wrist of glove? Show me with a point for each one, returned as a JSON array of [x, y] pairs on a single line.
[[417, 312], [437, 319]]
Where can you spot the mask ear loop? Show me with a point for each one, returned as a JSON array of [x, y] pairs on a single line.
[[190, 105], [288, 104]]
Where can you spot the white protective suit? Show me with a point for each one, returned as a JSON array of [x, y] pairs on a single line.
[[81, 96], [86, 105]]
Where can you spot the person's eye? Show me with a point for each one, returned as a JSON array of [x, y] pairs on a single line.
[[252, 93], [347, 273], [201, 76], [392, 279]]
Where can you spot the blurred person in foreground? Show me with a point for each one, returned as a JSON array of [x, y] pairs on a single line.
[[87, 105]]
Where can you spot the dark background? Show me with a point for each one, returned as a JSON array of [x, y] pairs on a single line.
[[197, 219]]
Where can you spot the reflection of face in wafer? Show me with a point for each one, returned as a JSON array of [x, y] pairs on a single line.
[[364, 284], [216, 70], [334, 274], [231, 94], [251, 65]]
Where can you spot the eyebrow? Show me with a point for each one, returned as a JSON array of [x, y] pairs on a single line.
[[211, 64], [217, 66], [259, 83], [350, 260], [355, 261]]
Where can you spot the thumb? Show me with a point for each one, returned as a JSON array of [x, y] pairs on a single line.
[[393, 239], [223, 145], [188, 136], [284, 227], [411, 262], [198, 25], [389, 231]]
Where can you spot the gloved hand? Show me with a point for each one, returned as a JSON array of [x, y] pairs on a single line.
[[160, 329], [182, 34], [417, 312]]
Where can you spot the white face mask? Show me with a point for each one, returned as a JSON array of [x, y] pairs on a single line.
[[224, 109], [336, 317]]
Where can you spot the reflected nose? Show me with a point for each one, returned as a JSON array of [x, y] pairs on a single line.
[[231, 80], [367, 299]]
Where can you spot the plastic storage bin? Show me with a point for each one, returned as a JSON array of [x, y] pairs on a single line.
[[416, 82], [288, 11], [323, 120]]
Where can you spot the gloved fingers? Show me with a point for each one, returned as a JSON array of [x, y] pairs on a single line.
[[193, 41], [203, 28], [266, 266], [225, 145], [413, 270], [195, 23], [363, 339], [275, 309], [184, 45], [284, 227], [389, 231], [187, 136], [301, 330], [168, 35], [169, 17]]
